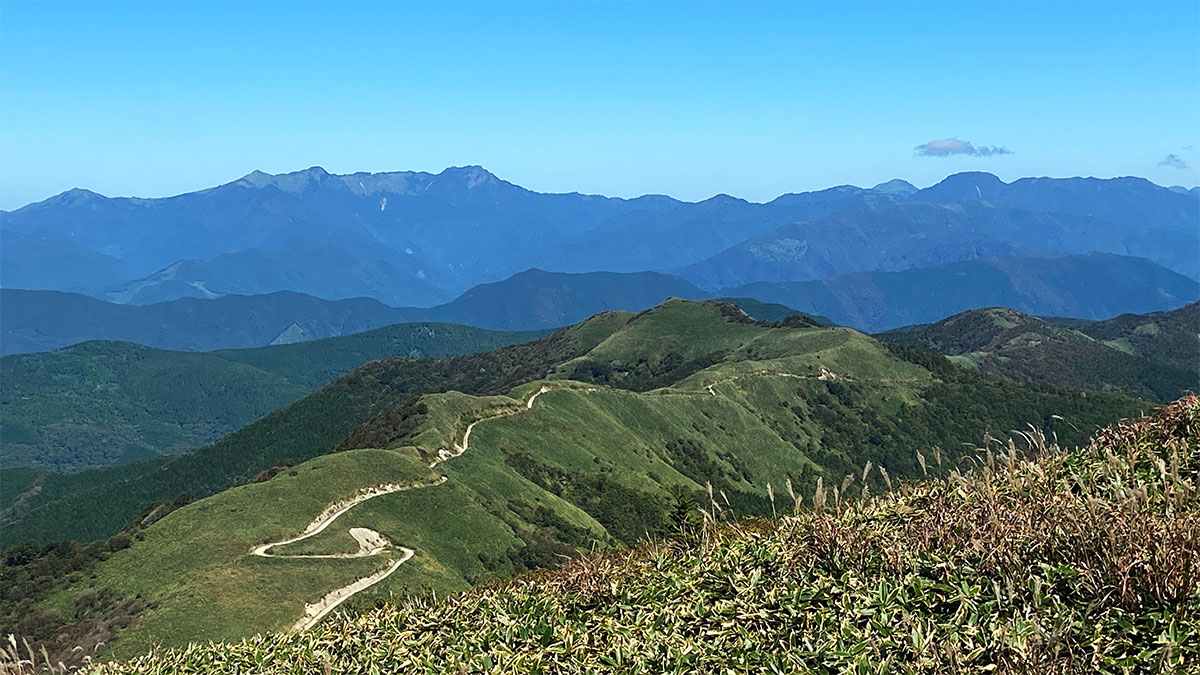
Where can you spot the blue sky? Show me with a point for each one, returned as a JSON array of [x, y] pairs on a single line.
[[754, 100]]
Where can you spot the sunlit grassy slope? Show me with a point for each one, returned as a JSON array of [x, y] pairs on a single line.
[[97, 503], [679, 398], [1036, 560]]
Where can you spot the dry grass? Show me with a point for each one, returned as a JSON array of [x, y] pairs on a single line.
[[20, 658]]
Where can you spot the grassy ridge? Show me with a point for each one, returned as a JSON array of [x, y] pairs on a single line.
[[1080, 561], [96, 503]]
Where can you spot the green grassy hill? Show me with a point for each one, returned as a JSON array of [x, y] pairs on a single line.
[[97, 503], [106, 403], [1145, 356], [601, 435], [1046, 564]]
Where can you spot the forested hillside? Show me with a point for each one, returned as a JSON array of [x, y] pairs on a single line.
[[106, 403], [1164, 364]]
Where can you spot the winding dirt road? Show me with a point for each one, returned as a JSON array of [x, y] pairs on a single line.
[[370, 542]]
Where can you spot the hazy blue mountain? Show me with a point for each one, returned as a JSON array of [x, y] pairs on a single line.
[[687, 233], [1094, 285], [876, 232], [887, 233], [1184, 190], [1134, 201], [33, 321], [323, 270], [896, 186], [36, 261], [531, 300], [416, 239], [460, 226]]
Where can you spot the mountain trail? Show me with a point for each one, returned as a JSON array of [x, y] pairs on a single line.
[[370, 542]]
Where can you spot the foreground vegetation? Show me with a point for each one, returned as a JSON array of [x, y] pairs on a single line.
[[1035, 560], [640, 415]]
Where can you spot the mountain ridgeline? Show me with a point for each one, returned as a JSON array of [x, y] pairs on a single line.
[[1093, 286], [420, 239], [487, 465]]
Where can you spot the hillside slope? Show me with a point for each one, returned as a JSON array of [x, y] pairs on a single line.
[[1046, 564], [97, 503], [1007, 343], [104, 403], [636, 416], [1164, 337]]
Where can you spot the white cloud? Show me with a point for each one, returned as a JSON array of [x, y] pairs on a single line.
[[954, 146]]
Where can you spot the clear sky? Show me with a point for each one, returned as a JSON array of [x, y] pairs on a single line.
[[754, 100]]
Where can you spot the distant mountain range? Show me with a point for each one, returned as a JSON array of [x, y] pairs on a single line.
[[532, 300], [421, 239], [873, 233], [1092, 286]]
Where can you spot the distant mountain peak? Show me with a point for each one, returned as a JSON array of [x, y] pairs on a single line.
[[981, 178], [722, 198], [74, 196], [473, 175], [256, 178], [288, 182], [896, 186], [967, 186]]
